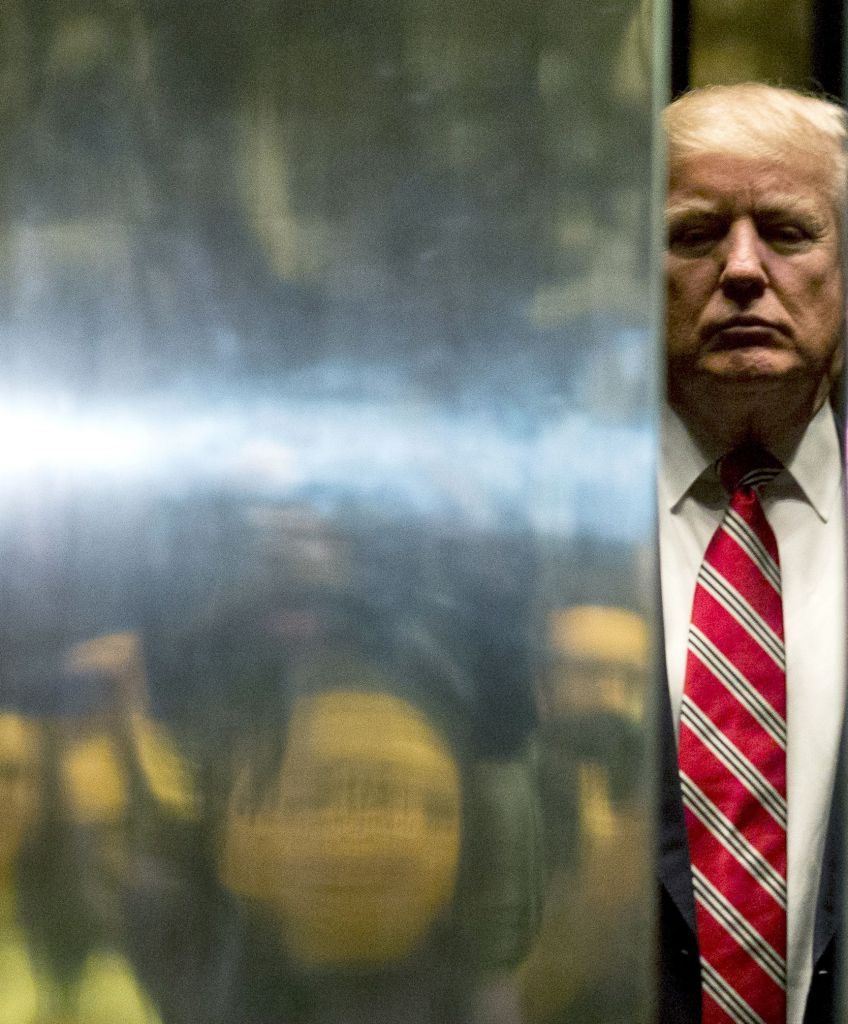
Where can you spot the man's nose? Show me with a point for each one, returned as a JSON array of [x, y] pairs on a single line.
[[743, 274]]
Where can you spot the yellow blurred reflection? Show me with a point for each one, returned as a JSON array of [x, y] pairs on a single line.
[[20, 804], [163, 767], [106, 990], [354, 846], [109, 992], [95, 780], [74, 789], [19, 992], [20, 785], [600, 633], [593, 701], [118, 658], [298, 246], [102, 749], [602, 654]]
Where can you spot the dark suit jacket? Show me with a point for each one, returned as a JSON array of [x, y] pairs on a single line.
[[678, 994]]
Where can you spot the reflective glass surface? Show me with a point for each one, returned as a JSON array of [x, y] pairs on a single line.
[[326, 521]]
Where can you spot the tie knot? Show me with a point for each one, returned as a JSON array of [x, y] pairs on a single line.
[[745, 469]]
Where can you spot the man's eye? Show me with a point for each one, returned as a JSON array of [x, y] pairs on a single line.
[[786, 234], [694, 236]]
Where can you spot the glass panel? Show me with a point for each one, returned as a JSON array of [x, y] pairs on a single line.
[[327, 514]]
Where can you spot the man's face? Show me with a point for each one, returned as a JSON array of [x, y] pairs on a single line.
[[754, 288]]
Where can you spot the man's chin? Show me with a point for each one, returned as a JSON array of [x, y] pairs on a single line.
[[768, 367]]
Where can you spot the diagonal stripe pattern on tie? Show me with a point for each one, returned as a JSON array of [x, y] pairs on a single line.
[[733, 758]]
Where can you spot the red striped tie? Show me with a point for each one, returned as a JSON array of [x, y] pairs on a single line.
[[733, 758]]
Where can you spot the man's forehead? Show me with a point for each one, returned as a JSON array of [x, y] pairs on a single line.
[[727, 184]]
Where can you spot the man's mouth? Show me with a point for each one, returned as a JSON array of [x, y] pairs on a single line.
[[745, 331]]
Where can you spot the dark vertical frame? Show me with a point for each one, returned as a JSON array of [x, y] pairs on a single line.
[[827, 72], [826, 48], [681, 36]]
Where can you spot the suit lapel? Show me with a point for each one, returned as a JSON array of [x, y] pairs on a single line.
[[674, 871], [829, 900]]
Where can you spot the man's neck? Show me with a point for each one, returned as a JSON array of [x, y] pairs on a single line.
[[775, 429]]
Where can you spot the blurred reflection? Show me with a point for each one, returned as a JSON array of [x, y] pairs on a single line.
[[355, 851], [379, 839], [95, 794], [593, 705], [326, 490], [20, 806]]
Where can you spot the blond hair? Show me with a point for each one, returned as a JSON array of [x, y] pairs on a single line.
[[761, 121]]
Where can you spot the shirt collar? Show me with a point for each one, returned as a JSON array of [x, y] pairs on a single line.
[[815, 465], [682, 460]]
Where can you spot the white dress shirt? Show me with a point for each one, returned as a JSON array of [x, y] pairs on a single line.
[[805, 508]]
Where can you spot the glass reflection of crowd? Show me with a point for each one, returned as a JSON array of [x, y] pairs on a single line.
[[347, 828], [342, 834], [351, 788], [97, 810], [341, 821]]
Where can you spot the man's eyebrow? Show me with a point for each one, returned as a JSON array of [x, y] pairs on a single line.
[[777, 205], [693, 208], [788, 204]]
